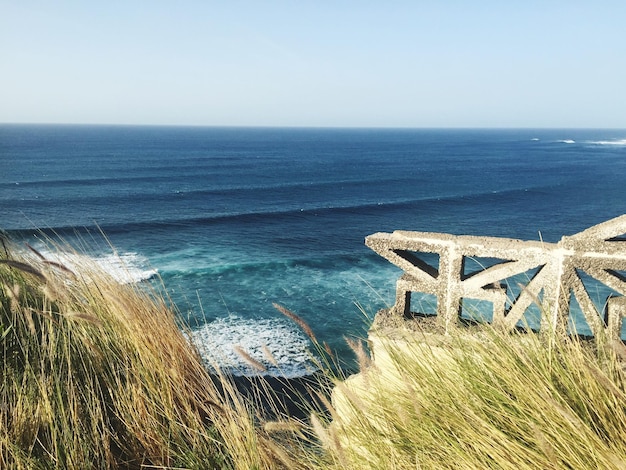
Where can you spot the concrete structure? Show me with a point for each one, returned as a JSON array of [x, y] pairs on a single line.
[[554, 270]]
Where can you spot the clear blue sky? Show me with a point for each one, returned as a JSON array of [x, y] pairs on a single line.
[[390, 63]]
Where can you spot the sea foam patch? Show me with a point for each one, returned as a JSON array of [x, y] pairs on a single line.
[[616, 142], [276, 344], [125, 268]]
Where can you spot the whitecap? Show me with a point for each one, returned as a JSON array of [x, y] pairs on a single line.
[[608, 142], [567, 141], [125, 268], [275, 343]]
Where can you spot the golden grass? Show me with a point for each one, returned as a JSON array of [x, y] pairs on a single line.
[[505, 401], [100, 375]]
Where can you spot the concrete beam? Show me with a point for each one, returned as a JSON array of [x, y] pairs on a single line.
[[598, 251]]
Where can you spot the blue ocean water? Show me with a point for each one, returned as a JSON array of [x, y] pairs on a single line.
[[235, 219]]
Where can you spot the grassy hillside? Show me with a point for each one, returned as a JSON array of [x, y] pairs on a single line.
[[488, 399], [101, 375]]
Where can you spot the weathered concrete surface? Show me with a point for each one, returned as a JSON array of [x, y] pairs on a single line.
[[597, 251]]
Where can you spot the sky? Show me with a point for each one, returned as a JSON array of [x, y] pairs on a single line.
[[322, 63]]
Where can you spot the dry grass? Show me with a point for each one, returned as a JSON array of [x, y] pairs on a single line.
[[506, 401], [99, 375]]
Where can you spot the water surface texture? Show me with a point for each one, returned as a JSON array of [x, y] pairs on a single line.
[[235, 219]]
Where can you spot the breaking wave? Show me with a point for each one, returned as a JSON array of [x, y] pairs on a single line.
[[125, 268], [276, 344], [616, 142]]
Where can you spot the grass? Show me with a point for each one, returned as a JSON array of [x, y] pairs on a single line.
[[102, 375], [99, 375], [501, 401]]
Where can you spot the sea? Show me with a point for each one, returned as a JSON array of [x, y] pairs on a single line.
[[234, 220]]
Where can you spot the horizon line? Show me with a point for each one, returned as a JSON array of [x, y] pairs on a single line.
[[329, 127]]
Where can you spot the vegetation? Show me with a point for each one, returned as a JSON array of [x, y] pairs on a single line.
[[101, 375], [487, 400]]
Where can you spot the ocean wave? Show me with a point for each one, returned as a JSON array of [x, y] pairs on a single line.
[[617, 142], [566, 141], [180, 263], [277, 345], [137, 187], [125, 268], [284, 212]]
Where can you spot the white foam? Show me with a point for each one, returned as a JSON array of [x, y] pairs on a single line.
[[567, 141], [125, 268], [609, 142], [288, 348]]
